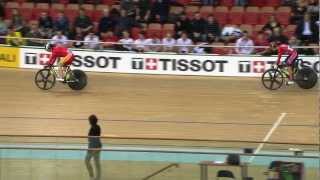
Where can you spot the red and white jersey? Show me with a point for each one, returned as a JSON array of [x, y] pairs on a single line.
[[285, 49], [58, 51]]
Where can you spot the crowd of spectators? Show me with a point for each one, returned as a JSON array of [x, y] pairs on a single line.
[[115, 26]]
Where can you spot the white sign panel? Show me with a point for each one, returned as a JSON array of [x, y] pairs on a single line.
[[204, 65]]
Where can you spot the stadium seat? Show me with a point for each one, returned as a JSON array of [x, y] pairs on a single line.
[[175, 9], [205, 11], [64, 1], [101, 7], [12, 5], [274, 3], [154, 29], [183, 2], [228, 3], [97, 15], [283, 15], [89, 7], [256, 29], [135, 32], [72, 7], [71, 14], [168, 28], [221, 14], [248, 28], [251, 16], [236, 15], [219, 50], [266, 12], [57, 6], [258, 3], [42, 6], [27, 6], [108, 2], [115, 7], [290, 30], [191, 10]]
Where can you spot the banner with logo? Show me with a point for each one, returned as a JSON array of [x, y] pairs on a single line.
[[170, 64], [9, 57]]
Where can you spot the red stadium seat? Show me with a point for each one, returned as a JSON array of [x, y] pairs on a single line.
[[27, 5], [248, 28], [154, 30], [274, 3], [219, 50], [72, 7], [101, 7], [184, 2], [258, 3], [236, 15], [72, 14], [283, 15], [205, 11], [290, 30], [191, 10], [251, 16], [97, 15], [168, 28], [135, 32], [228, 3], [43, 6], [266, 12], [57, 6], [221, 14], [64, 1], [108, 2], [175, 9], [89, 7], [12, 5]]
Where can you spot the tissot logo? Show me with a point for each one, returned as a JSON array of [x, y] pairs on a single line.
[[178, 65]]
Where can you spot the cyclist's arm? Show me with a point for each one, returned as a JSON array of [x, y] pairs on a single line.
[[279, 56]]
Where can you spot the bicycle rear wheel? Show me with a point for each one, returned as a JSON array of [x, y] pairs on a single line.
[[45, 79], [272, 79], [78, 79], [306, 78]]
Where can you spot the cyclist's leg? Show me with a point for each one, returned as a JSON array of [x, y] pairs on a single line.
[[290, 62], [66, 62]]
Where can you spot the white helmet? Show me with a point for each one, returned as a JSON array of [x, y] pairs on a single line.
[[49, 46]]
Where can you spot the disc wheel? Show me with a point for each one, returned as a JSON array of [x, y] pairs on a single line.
[[77, 80], [306, 78], [44, 79], [272, 79]]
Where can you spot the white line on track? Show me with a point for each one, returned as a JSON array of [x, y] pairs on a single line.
[[267, 137]]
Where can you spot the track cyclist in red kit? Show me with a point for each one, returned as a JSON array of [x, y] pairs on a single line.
[[284, 49], [64, 54]]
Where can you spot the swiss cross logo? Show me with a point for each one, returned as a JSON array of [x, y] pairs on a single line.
[[151, 64], [259, 66], [44, 58]]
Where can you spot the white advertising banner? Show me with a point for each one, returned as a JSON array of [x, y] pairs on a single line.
[[123, 62]]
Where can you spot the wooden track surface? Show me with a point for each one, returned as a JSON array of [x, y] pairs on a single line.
[[158, 106]]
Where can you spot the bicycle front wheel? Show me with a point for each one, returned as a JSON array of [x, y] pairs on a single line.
[[272, 79]]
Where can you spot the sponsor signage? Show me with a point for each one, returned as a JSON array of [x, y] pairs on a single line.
[[9, 57], [162, 63]]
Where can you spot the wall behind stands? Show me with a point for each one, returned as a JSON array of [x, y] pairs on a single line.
[[151, 63]]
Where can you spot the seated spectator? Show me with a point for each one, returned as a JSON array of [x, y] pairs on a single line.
[[45, 21], [17, 20], [124, 23], [293, 41], [244, 41], [260, 40], [3, 27], [313, 9], [143, 11], [91, 41], [83, 22], [307, 30], [126, 42], [108, 38], [240, 2], [175, 15], [271, 25], [298, 11], [140, 44], [230, 33], [153, 44], [159, 11], [78, 36], [182, 25], [278, 37], [129, 7], [34, 33], [271, 50], [184, 43], [61, 23], [199, 49], [14, 37], [106, 23], [212, 30], [60, 39], [168, 43], [197, 26]]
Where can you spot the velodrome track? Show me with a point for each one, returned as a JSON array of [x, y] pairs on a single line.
[[156, 106]]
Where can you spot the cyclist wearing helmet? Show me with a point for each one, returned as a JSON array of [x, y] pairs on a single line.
[[284, 49], [65, 55]]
